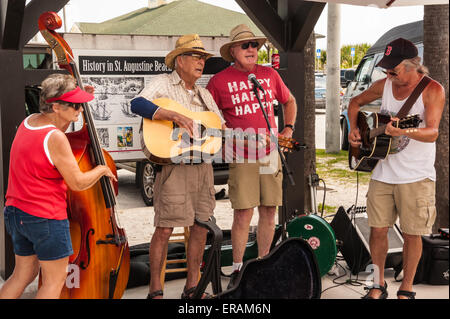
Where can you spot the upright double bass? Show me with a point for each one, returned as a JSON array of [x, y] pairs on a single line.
[[100, 264]]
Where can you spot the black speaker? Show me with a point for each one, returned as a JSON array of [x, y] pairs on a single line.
[[352, 230]]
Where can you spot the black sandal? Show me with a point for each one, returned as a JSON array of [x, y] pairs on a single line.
[[187, 294], [384, 293], [155, 294], [407, 294]]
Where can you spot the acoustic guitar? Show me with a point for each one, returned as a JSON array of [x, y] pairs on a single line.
[[376, 145], [164, 142]]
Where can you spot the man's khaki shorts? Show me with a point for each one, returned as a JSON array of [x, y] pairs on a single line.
[[413, 203], [256, 184], [183, 193]]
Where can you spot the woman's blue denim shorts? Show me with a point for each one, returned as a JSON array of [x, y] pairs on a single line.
[[49, 239]]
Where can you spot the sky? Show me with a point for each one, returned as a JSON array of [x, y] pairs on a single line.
[[358, 24]]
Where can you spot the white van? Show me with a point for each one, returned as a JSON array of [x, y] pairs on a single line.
[[366, 72]]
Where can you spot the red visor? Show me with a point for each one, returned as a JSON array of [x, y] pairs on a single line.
[[77, 95]]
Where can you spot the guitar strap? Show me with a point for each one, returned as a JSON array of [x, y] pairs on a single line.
[[413, 97]]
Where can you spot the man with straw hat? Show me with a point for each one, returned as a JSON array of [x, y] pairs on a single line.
[[251, 184], [182, 192]]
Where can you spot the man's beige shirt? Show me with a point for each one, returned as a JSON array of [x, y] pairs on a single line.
[[173, 87]]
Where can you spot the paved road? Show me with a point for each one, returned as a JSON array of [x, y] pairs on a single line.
[[320, 130]]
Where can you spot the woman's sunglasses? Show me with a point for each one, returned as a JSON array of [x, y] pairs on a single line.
[[253, 44], [76, 106]]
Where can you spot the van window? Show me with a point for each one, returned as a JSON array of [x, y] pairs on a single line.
[[377, 72], [363, 71]]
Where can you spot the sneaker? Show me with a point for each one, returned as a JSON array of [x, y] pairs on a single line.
[[233, 279]]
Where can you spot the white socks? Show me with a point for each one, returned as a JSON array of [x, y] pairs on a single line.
[[236, 266]]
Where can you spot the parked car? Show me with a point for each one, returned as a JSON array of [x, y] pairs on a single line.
[[366, 73], [344, 81], [320, 91], [320, 96], [146, 174]]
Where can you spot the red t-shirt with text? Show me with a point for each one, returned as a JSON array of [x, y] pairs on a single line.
[[233, 93]]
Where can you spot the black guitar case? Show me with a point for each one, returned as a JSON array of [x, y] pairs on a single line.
[[289, 271]]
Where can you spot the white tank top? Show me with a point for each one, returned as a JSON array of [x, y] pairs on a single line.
[[415, 160]]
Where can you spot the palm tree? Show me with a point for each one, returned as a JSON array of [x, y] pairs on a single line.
[[435, 34]]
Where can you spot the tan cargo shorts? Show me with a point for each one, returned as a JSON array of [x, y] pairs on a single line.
[[183, 193], [413, 203], [256, 184]]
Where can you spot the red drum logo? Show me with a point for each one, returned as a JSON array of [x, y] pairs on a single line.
[[314, 242]]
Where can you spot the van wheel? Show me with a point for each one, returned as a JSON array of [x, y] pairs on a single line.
[[148, 175], [344, 135]]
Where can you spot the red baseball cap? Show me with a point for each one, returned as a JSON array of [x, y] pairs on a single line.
[[77, 95], [397, 51]]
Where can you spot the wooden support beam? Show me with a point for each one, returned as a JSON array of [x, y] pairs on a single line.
[[35, 77], [11, 18], [12, 112], [302, 24], [294, 79], [31, 15], [267, 20]]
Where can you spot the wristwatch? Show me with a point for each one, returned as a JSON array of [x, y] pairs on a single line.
[[291, 126]]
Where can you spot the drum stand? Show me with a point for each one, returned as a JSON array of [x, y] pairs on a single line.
[[313, 182]]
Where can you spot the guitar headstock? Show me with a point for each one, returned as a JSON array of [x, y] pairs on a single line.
[[409, 121]]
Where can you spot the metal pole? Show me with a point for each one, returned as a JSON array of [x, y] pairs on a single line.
[[332, 133], [64, 18]]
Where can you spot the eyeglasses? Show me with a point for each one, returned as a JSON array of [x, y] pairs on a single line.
[[75, 106], [253, 44], [196, 56]]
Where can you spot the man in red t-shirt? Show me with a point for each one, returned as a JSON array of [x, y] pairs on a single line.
[[258, 181]]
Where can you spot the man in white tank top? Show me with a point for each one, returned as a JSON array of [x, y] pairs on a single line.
[[403, 184]]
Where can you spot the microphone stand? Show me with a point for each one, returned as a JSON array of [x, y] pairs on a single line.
[[285, 165]]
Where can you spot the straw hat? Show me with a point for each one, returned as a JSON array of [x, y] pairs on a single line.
[[239, 33], [186, 43]]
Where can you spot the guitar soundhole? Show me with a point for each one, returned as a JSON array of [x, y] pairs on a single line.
[[181, 134]]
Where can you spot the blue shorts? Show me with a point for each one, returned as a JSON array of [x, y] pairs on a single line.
[[49, 239]]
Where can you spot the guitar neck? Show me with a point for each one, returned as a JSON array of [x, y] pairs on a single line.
[[237, 134]]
